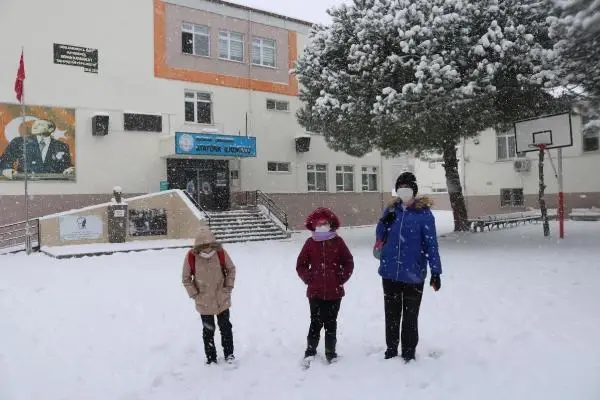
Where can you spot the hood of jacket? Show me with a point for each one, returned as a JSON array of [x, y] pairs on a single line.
[[322, 213], [420, 202], [205, 237]]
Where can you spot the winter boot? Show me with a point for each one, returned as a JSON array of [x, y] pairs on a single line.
[[310, 352], [408, 355], [390, 353], [211, 360], [330, 343], [230, 359]]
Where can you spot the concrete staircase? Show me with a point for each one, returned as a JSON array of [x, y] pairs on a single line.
[[245, 225]]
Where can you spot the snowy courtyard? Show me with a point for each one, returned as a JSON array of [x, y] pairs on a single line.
[[518, 317]]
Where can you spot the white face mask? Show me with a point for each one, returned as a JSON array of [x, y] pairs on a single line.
[[404, 194], [323, 228], [207, 255]]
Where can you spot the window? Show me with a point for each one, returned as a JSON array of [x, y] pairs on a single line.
[[142, 122], [235, 174], [591, 135], [316, 175], [273, 166], [369, 179], [231, 46], [511, 198], [505, 146], [277, 105], [195, 39], [436, 162], [438, 188], [198, 107], [263, 52], [344, 178]]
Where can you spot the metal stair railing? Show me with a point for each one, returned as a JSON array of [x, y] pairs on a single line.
[[272, 207], [13, 236], [198, 205]]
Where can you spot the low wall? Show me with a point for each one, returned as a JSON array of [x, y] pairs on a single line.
[[89, 225]]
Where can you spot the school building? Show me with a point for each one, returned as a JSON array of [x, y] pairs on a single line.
[[154, 95]]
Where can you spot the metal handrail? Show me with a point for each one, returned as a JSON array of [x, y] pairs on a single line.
[[198, 205], [272, 207], [12, 237]]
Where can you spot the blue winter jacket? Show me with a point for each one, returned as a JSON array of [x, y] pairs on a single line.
[[410, 243]]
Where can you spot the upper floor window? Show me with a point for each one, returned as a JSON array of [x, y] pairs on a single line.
[[506, 148], [591, 136], [231, 46], [277, 105], [198, 107], [195, 39], [263, 52]]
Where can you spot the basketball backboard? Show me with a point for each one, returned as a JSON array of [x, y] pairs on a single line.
[[553, 131]]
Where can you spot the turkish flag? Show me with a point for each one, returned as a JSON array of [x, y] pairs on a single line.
[[20, 79]]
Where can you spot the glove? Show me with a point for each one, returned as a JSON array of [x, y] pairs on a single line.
[[377, 249], [435, 282]]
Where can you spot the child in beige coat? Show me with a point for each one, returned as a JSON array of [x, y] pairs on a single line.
[[208, 277]]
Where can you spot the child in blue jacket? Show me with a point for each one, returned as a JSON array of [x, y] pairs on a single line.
[[406, 241]]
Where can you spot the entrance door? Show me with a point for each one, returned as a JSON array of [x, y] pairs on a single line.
[[206, 180]]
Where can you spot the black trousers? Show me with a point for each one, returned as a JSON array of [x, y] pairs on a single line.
[[323, 313], [208, 334], [402, 301]]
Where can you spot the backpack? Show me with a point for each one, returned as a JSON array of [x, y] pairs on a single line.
[[192, 262]]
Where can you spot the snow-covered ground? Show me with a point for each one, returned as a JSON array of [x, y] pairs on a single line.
[[518, 317]]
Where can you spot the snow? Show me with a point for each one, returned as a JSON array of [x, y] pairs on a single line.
[[517, 318], [98, 248], [176, 192]]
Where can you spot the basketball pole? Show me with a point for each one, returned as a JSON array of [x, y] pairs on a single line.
[[558, 174], [561, 196]]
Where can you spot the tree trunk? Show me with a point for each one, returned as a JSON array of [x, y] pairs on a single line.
[[457, 200], [542, 201]]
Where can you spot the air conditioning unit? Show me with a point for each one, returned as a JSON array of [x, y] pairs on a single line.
[[522, 164]]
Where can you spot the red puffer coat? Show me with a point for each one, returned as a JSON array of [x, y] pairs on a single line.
[[325, 266]]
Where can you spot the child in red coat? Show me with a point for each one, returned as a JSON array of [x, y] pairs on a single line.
[[325, 264]]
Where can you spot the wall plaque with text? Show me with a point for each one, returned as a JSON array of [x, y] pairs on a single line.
[[77, 56]]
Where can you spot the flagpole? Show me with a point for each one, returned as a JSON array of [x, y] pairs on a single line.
[[27, 232]]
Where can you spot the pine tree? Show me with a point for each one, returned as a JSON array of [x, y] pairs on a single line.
[[406, 75], [576, 26]]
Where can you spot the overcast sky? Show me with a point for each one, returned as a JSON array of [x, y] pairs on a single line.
[[309, 10]]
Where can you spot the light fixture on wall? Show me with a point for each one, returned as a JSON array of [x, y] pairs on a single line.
[[475, 142]]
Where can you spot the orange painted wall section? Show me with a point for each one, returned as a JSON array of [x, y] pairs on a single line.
[[162, 70]]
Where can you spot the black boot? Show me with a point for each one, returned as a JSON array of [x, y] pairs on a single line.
[[311, 351], [391, 353], [408, 355], [330, 343]]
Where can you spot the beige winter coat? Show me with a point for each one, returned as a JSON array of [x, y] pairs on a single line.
[[209, 288]]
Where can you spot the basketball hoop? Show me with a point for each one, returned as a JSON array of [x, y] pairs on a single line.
[[543, 134]]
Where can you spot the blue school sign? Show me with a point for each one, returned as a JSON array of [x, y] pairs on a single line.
[[202, 144]]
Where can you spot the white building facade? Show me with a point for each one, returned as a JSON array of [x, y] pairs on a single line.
[[150, 95]]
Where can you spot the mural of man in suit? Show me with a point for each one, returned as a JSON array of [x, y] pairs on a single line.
[[45, 155]]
